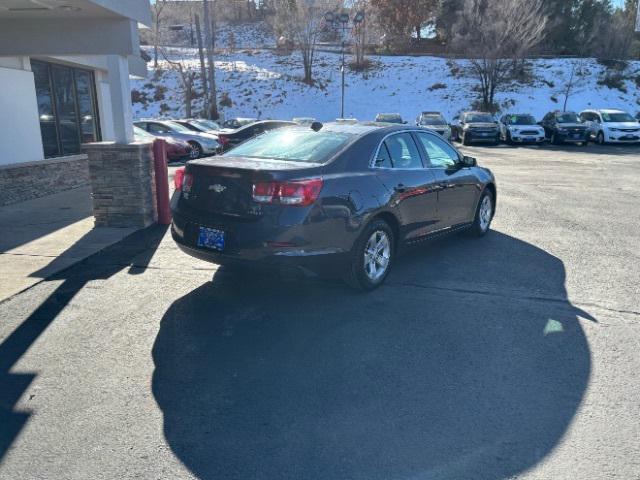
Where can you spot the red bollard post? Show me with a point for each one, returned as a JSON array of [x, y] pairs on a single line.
[[162, 181]]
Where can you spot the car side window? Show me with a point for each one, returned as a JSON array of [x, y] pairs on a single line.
[[440, 153], [383, 159], [403, 151], [157, 128]]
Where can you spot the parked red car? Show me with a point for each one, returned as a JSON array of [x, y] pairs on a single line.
[[177, 150]]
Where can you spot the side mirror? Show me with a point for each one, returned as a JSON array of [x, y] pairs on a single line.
[[404, 123], [469, 161]]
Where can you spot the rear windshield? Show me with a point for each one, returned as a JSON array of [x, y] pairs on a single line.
[[293, 145]]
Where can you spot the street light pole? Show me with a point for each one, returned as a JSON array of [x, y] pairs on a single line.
[[342, 21]]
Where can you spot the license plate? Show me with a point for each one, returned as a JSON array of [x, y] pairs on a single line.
[[576, 135], [529, 139], [484, 134], [211, 238]]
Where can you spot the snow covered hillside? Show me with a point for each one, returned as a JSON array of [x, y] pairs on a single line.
[[260, 83]]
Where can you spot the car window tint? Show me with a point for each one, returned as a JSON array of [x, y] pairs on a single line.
[[157, 128], [440, 154], [403, 151], [383, 159]]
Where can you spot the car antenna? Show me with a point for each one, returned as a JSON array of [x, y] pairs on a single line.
[[316, 126]]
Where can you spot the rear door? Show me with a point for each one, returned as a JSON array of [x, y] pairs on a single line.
[[411, 185], [457, 186]]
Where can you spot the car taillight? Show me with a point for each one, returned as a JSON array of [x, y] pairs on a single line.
[[299, 193], [182, 180], [178, 178], [222, 140]]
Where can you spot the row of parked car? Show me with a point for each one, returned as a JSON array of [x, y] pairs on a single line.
[[600, 126], [194, 138]]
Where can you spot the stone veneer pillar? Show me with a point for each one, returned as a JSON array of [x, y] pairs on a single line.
[[123, 184]]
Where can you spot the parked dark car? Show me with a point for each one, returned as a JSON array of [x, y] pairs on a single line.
[[234, 123], [564, 127], [475, 127], [177, 150], [344, 199], [389, 118], [233, 138]]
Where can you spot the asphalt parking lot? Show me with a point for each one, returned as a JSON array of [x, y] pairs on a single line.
[[512, 356]]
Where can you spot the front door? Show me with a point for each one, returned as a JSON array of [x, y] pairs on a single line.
[[458, 189], [411, 185]]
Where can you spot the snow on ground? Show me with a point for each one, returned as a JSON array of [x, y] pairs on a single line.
[[264, 84]]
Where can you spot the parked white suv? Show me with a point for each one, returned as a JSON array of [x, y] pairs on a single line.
[[611, 126], [520, 128]]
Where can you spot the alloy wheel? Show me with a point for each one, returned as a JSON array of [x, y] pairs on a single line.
[[377, 255], [486, 211]]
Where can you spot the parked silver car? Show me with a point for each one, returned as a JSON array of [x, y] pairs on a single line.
[[434, 121], [203, 144]]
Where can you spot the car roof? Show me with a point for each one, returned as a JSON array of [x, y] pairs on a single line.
[[363, 128]]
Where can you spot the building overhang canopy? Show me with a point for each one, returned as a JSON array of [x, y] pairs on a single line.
[[71, 27]]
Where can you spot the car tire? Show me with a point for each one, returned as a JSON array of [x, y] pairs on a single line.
[[465, 141], [600, 138], [484, 214], [362, 274], [196, 150], [508, 139], [554, 139]]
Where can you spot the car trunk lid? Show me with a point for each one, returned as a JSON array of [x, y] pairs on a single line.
[[224, 185]]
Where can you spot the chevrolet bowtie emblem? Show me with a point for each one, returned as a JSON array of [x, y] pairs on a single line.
[[217, 188]]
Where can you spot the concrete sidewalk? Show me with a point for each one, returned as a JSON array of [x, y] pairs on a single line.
[[43, 236]]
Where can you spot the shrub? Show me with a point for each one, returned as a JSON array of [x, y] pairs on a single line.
[[225, 100], [619, 65], [613, 81], [138, 97], [437, 86], [159, 93]]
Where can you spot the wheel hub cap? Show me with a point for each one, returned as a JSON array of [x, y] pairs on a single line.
[[377, 254], [486, 211]]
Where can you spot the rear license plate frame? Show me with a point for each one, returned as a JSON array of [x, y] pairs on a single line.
[[211, 238]]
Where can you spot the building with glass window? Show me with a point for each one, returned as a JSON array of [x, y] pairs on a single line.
[[64, 82]]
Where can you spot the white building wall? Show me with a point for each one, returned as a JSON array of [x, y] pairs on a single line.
[[19, 123]]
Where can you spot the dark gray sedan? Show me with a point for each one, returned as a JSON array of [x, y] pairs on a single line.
[[332, 199]]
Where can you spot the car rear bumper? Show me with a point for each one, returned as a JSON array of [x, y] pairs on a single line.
[[251, 246]]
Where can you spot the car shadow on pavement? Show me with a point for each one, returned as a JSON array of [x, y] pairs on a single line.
[[137, 247], [469, 363]]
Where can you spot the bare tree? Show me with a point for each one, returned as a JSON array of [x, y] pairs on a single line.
[[302, 21], [187, 77], [203, 68], [495, 35], [158, 7], [209, 38], [360, 32]]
